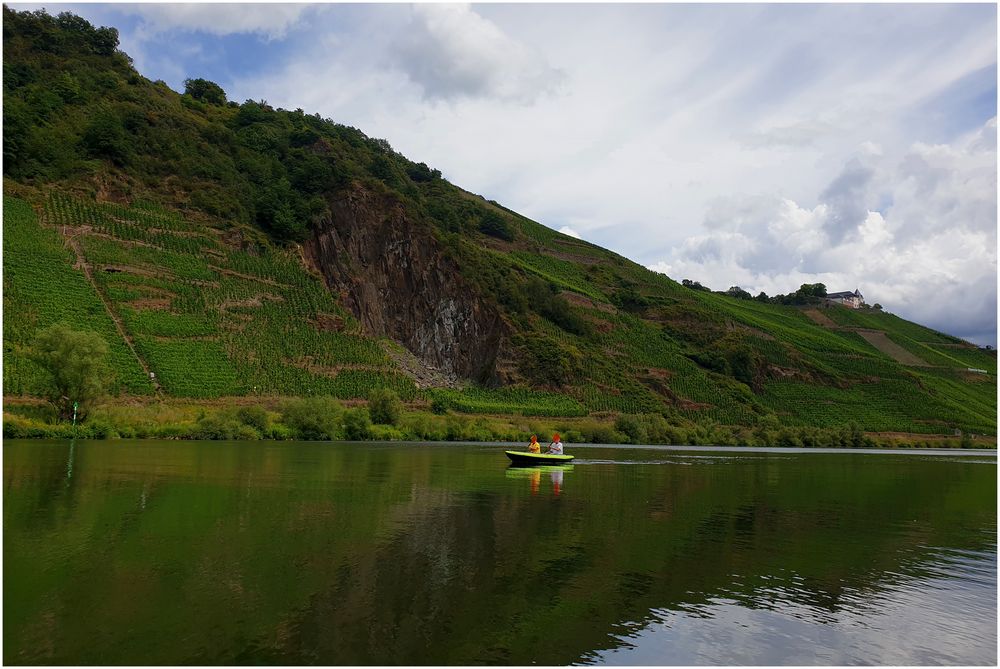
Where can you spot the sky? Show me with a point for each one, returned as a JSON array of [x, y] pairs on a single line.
[[763, 146]]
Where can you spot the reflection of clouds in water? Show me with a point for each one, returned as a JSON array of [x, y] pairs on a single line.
[[955, 595]]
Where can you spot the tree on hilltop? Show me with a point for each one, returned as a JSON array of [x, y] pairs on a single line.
[[205, 91], [812, 290]]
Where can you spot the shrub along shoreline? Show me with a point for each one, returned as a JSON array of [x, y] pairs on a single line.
[[385, 418]]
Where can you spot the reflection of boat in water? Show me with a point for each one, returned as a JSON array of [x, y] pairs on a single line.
[[534, 475], [515, 472], [523, 458]]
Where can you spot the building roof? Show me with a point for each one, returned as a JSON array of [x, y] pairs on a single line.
[[844, 294]]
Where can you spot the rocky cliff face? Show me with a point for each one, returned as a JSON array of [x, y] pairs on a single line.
[[393, 274]]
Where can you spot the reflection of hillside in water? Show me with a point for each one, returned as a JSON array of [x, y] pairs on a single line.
[[323, 554], [494, 581]]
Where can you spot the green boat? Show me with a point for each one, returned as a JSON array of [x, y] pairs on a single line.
[[535, 459]]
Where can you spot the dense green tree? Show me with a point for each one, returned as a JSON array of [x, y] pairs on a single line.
[[105, 137], [543, 298], [357, 424], [811, 290], [633, 427], [205, 91], [381, 168], [743, 364], [384, 407], [254, 416], [712, 360], [419, 172], [17, 125], [496, 225], [76, 363], [313, 418], [630, 299], [68, 88], [548, 363]]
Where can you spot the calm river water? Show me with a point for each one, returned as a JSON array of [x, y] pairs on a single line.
[[308, 553]]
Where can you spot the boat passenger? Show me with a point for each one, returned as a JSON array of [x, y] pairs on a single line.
[[534, 446], [556, 447]]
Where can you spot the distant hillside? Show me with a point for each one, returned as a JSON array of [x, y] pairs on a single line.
[[236, 249]]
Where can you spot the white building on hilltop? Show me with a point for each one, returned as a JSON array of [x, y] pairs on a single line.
[[848, 299]]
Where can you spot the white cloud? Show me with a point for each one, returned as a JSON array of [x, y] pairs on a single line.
[[452, 52], [566, 230], [869, 148], [270, 20]]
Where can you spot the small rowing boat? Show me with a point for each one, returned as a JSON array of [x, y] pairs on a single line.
[[524, 458]]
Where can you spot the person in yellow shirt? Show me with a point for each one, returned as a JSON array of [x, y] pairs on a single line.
[[534, 446]]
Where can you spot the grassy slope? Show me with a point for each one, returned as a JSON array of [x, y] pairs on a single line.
[[215, 307]]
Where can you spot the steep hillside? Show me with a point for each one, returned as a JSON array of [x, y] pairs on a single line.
[[236, 249]]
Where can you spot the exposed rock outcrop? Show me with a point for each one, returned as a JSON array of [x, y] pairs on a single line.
[[393, 274]]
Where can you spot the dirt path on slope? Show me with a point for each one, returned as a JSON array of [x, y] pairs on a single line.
[[881, 341], [81, 262], [819, 318]]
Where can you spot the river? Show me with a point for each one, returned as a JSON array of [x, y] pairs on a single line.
[[153, 552]]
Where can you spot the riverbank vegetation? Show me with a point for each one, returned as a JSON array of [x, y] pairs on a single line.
[[387, 419]]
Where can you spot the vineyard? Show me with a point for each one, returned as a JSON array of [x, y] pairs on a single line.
[[41, 287], [208, 319], [211, 318]]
